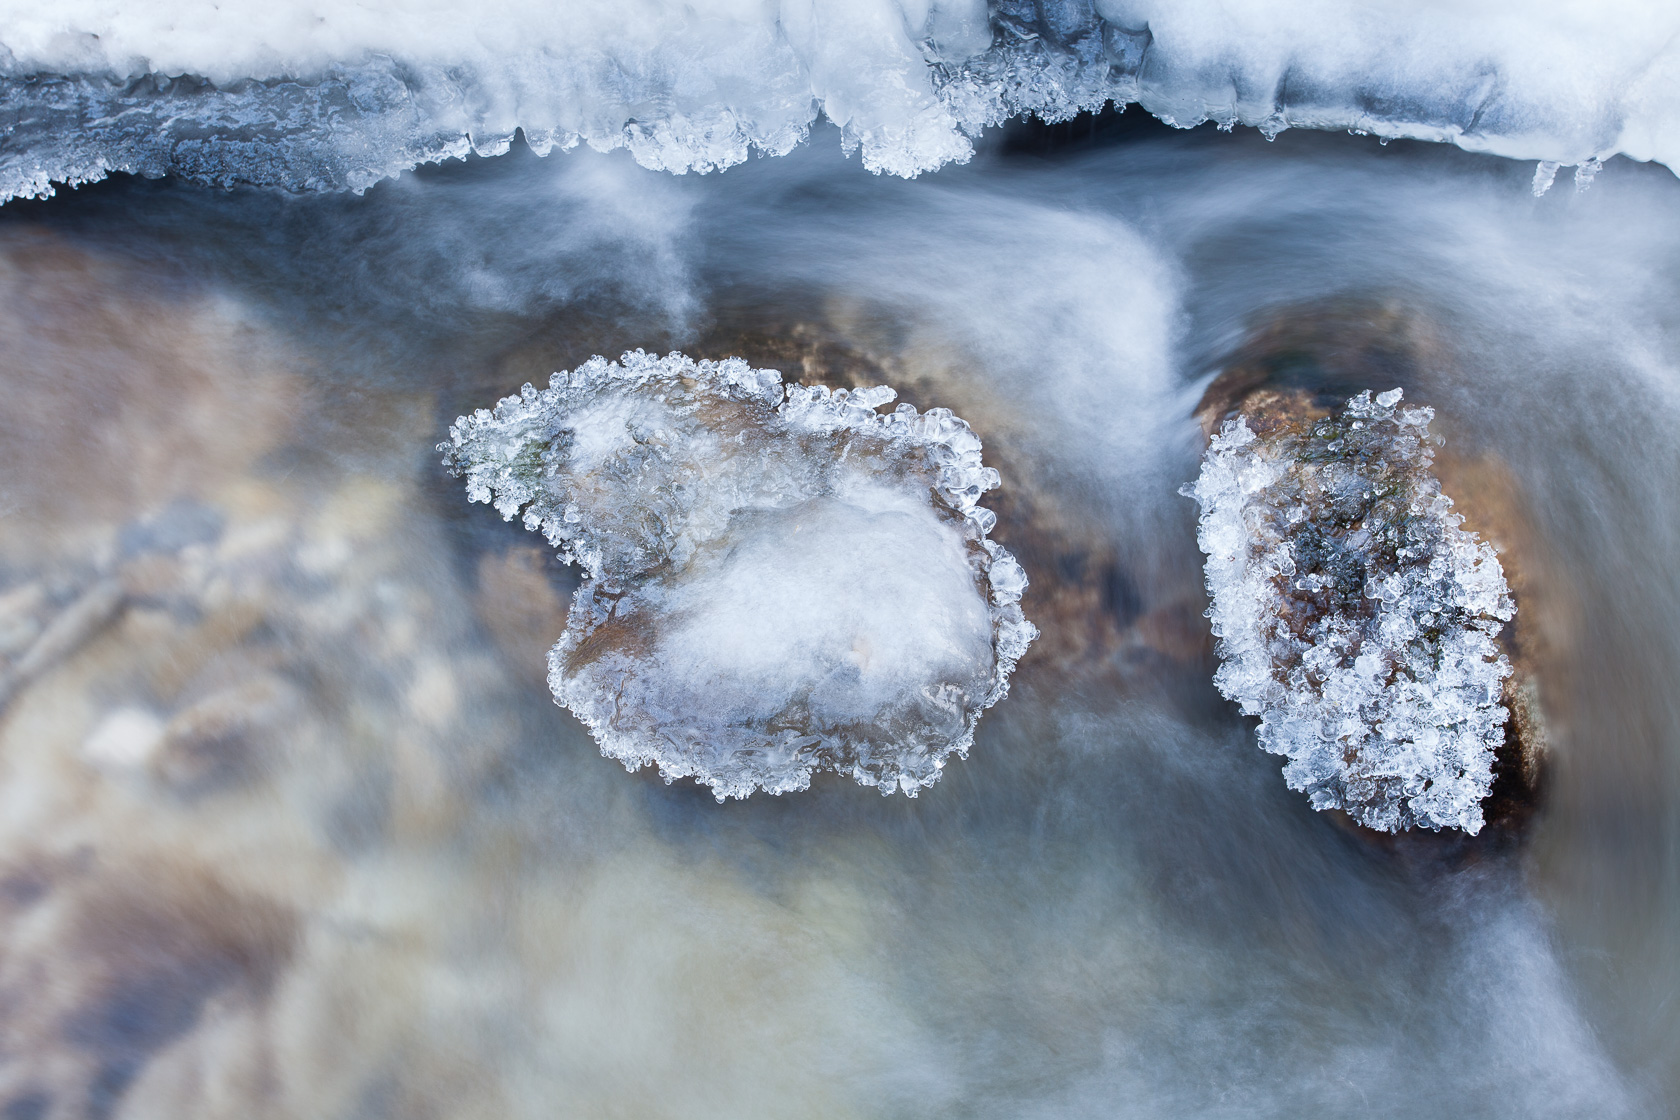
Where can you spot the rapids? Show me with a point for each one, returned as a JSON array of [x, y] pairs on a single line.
[[292, 826]]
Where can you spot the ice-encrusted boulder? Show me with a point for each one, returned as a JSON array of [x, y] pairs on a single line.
[[779, 579], [1354, 614]]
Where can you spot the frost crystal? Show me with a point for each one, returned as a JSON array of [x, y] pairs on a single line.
[[311, 95], [1355, 616], [780, 579]]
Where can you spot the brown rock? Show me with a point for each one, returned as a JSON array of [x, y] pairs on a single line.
[[519, 604], [1305, 362], [102, 967], [121, 392]]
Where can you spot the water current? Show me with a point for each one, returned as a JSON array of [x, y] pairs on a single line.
[[290, 825]]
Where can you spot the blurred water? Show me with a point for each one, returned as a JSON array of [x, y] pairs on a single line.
[[291, 827]]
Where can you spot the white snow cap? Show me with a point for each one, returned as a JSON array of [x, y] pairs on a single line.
[[312, 95], [779, 579], [1355, 616]]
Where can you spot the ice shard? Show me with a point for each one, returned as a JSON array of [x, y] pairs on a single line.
[[1355, 615], [780, 579]]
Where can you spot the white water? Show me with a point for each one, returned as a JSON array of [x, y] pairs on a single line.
[[301, 830]]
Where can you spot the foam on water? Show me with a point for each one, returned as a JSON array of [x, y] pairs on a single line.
[[780, 579], [1355, 616], [312, 96]]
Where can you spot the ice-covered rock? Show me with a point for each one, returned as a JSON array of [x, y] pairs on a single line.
[[1354, 615], [779, 579]]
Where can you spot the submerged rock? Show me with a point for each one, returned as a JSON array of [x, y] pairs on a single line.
[[779, 579]]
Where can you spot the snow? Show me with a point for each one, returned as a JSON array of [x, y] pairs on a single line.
[[780, 579], [309, 95], [1355, 616]]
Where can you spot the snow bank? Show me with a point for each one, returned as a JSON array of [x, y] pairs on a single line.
[[779, 579], [1354, 616], [309, 95]]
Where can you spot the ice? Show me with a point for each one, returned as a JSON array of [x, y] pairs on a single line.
[[1560, 80], [779, 579], [1355, 616], [308, 95]]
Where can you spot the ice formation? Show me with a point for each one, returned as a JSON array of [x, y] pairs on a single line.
[[1355, 616], [305, 94], [779, 579]]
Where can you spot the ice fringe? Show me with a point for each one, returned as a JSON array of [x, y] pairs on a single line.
[[1355, 616], [310, 96], [779, 579]]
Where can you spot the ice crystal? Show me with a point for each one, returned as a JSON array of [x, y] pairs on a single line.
[[1355, 616], [316, 96], [780, 579]]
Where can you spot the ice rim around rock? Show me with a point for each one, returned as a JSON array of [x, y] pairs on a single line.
[[1355, 616], [639, 471]]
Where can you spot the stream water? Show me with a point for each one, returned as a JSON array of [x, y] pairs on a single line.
[[290, 825]]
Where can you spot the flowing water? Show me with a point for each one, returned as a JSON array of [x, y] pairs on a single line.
[[292, 827]]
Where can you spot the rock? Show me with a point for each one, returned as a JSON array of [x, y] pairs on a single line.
[[519, 604], [230, 737], [137, 395], [1293, 374], [228, 690], [104, 965], [1097, 630], [86, 615], [779, 579]]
